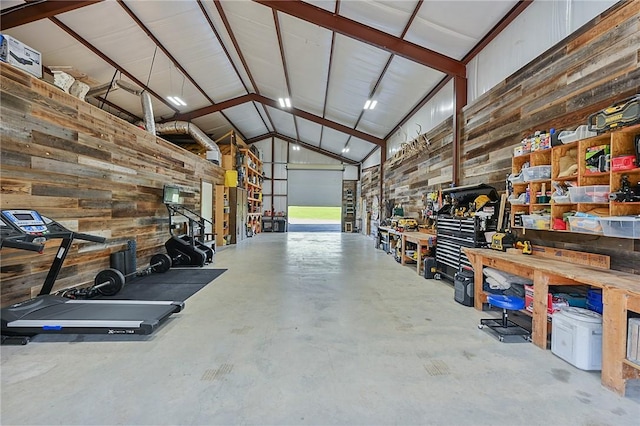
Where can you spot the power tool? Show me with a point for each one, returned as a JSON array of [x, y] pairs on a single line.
[[525, 246], [502, 241]]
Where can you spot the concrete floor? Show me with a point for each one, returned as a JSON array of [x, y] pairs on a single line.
[[306, 329]]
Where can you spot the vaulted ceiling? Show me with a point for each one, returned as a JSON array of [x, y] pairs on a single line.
[[231, 61]]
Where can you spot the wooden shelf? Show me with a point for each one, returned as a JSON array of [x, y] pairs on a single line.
[[620, 142]]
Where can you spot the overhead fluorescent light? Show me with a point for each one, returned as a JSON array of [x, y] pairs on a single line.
[[284, 102], [370, 104], [345, 149], [176, 101]]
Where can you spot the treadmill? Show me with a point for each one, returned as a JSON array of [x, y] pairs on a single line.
[[51, 314]]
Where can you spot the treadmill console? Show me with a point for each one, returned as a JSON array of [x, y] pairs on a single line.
[[12, 237], [28, 221]]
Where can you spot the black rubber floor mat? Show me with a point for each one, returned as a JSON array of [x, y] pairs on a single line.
[[175, 284]]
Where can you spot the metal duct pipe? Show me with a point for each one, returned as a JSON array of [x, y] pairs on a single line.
[[147, 109], [186, 128], [145, 99]]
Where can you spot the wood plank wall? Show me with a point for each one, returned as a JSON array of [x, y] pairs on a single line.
[[591, 69], [92, 172]]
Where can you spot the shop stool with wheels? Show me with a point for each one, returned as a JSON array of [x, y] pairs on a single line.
[[504, 327]]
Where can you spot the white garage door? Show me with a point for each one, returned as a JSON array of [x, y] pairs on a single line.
[[314, 187]]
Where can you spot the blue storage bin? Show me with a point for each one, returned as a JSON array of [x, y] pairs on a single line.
[[594, 300]]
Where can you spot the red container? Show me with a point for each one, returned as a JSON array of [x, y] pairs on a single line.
[[626, 162]]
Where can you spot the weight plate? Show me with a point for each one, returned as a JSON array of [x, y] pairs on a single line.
[[160, 263], [109, 282]]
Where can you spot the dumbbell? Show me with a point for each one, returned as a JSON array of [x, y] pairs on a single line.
[[110, 281]]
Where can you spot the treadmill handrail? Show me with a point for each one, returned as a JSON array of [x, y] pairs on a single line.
[[21, 245], [89, 237]]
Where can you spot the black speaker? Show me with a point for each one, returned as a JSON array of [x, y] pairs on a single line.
[[463, 286]]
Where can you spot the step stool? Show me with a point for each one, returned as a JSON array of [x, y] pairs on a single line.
[[504, 327]]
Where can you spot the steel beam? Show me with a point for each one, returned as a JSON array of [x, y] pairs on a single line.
[[36, 10], [390, 43]]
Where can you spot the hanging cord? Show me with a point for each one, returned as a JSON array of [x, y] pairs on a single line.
[[152, 62], [109, 89]]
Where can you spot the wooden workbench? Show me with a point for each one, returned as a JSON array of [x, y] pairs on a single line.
[[420, 239], [620, 292]]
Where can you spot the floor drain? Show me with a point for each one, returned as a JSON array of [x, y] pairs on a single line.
[[211, 374], [437, 368]]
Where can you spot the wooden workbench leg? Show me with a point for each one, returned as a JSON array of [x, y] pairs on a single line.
[[402, 245], [478, 299], [539, 322], [419, 258], [614, 339]]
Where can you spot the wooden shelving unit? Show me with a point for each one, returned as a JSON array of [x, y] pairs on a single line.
[[348, 205], [620, 142], [252, 176], [221, 214], [237, 155]]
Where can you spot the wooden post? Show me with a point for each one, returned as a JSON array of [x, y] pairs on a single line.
[[614, 338], [539, 323]]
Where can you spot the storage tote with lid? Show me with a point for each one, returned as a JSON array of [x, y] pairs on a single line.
[[577, 337]]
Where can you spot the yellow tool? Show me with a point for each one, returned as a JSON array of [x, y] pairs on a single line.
[[525, 246], [408, 223], [502, 241]]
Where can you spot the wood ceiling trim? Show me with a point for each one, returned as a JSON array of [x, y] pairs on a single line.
[[32, 11], [369, 35], [303, 144]]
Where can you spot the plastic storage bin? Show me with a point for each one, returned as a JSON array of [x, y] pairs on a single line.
[[560, 199], [589, 194], [594, 300], [582, 132], [536, 221], [577, 337], [536, 173], [589, 225], [621, 226]]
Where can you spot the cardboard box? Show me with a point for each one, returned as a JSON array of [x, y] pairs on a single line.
[[20, 55]]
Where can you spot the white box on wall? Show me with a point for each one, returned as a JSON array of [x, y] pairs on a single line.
[[18, 54]]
